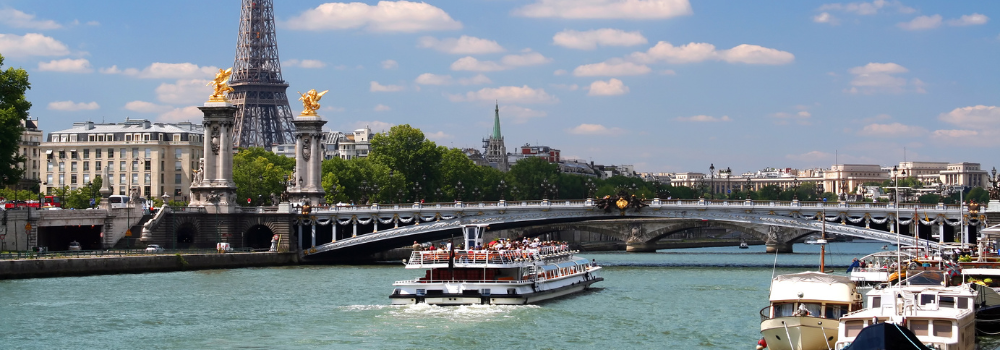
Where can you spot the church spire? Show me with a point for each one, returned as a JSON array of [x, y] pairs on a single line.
[[496, 123]]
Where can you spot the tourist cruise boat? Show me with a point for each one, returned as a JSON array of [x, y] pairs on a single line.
[[805, 309], [492, 276], [940, 316]]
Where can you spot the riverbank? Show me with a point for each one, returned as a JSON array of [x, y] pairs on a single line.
[[35, 268]]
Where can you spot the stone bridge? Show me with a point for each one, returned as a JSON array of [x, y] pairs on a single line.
[[780, 222]]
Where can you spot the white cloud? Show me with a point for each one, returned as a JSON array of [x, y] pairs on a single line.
[[386, 16], [703, 119], [184, 92], [515, 94], [560, 72], [825, 17], [376, 87], [526, 59], [813, 156], [66, 65], [800, 118], [892, 130], [921, 23], [570, 87], [595, 129], [374, 125], [611, 68], [867, 8], [698, 52], [969, 20], [469, 63], [146, 107], [31, 44], [611, 87], [880, 77], [70, 106], [303, 63], [980, 116], [607, 9], [390, 64], [518, 114], [18, 19], [181, 114], [159, 70], [438, 136], [382, 108], [435, 79], [968, 138], [589, 40], [668, 72], [110, 70], [463, 45]]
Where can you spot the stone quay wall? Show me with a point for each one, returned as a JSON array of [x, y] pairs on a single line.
[[33, 268]]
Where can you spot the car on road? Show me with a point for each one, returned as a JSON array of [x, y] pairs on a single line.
[[74, 245], [154, 248]]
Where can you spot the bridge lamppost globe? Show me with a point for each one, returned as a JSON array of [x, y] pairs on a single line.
[[459, 189], [501, 188], [591, 188], [711, 173]]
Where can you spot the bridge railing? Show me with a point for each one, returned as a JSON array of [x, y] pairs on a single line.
[[431, 257], [590, 203]]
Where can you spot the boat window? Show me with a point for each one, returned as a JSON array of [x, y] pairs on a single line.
[[963, 303], [852, 328], [815, 309], [927, 299], [919, 327], [947, 302], [942, 329], [784, 310], [876, 301], [834, 311]]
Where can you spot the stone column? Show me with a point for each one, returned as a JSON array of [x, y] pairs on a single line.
[[216, 192], [308, 160]]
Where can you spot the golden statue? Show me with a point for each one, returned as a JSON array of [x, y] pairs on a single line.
[[310, 101], [220, 85]]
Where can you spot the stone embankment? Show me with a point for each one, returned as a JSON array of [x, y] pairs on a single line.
[[32, 268]]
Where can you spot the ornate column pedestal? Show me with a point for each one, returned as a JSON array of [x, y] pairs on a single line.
[[213, 187], [307, 181]]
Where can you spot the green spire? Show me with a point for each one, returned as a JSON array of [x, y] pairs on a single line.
[[496, 123]]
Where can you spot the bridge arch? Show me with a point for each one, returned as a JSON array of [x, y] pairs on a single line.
[[185, 235], [258, 236]]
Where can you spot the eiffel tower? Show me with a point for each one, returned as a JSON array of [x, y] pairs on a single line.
[[263, 118]]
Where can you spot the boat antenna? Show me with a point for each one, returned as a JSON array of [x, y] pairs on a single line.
[[774, 267]]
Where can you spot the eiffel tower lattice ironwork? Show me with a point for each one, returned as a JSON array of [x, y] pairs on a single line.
[[263, 117]]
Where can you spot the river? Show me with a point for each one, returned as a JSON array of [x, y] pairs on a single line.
[[705, 298]]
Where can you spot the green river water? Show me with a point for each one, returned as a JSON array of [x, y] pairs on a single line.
[[706, 298]]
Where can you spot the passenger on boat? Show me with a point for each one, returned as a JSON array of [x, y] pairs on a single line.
[[802, 311], [416, 246], [854, 264]]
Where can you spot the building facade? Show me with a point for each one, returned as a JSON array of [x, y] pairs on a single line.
[[31, 138], [155, 158], [495, 151], [347, 145]]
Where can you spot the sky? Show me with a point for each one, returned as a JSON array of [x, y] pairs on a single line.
[[664, 85]]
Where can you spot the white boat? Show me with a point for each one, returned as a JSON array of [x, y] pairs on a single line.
[[509, 277], [804, 310], [878, 267], [941, 317]]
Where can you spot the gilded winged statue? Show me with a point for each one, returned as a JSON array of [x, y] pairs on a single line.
[[221, 86], [310, 101]]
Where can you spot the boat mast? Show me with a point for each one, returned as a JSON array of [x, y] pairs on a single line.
[[822, 246]]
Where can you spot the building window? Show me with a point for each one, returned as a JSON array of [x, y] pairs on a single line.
[[128, 137], [147, 179], [72, 179], [177, 166], [145, 137], [97, 153], [62, 179], [149, 152], [178, 153], [72, 154], [110, 181], [86, 166], [121, 190], [72, 166], [177, 138], [122, 153], [86, 178], [177, 192], [109, 137], [121, 179], [100, 138], [91, 138], [135, 152], [135, 179], [177, 178], [111, 153], [121, 166], [148, 165], [49, 167], [86, 154], [62, 154], [135, 165], [48, 180]]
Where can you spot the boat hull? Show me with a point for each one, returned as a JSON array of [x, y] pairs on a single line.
[[518, 299], [799, 333]]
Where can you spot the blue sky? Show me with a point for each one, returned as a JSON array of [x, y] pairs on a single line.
[[665, 85]]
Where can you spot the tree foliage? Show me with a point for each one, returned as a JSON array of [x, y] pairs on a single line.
[[13, 109], [258, 174]]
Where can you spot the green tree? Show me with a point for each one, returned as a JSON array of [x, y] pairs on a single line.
[[528, 175], [259, 173], [978, 194], [359, 178], [13, 109], [406, 151], [769, 193]]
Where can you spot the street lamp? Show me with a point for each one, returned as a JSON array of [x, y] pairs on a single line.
[[749, 186], [729, 174], [459, 189], [711, 173], [795, 188], [591, 188], [501, 188]]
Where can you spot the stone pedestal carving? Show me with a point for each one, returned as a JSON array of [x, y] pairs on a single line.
[[307, 184], [213, 187]]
